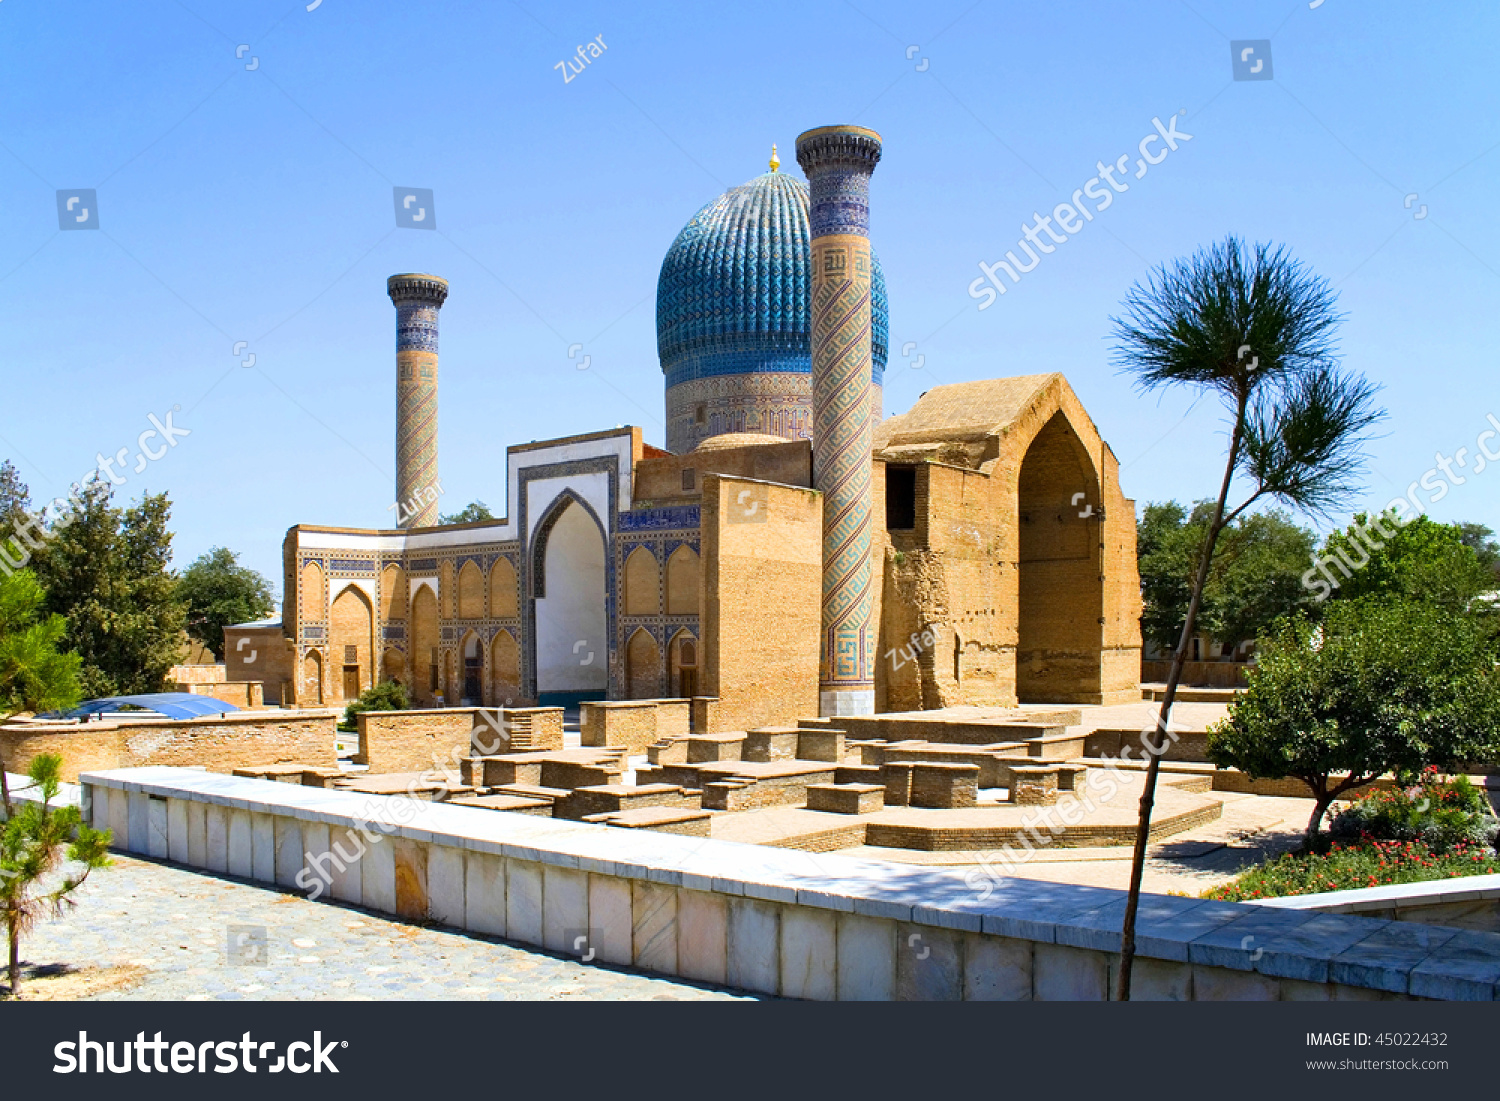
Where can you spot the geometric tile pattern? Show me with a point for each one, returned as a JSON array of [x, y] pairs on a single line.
[[733, 303], [838, 162], [417, 299]]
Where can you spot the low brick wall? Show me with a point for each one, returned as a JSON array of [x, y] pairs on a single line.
[[419, 740], [242, 693], [752, 917], [1202, 674], [220, 743], [1190, 745], [632, 724]]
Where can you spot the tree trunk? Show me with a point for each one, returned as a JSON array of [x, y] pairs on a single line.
[[1164, 718], [1320, 807], [15, 961]]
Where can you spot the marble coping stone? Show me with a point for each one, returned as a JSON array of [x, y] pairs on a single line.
[[1431, 892], [1320, 947], [23, 791]]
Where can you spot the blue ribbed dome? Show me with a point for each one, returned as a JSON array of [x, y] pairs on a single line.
[[733, 293]]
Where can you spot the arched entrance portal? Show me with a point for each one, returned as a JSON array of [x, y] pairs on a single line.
[[572, 652], [1060, 635], [473, 693]]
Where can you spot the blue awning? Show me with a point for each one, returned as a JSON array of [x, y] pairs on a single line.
[[174, 705]]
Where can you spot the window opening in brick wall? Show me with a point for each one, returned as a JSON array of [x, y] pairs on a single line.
[[900, 498]]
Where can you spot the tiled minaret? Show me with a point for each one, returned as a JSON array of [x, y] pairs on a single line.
[[838, 161], [417, 299]]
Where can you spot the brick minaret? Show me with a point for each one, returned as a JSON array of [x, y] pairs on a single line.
[[417, 299], [838, 161]]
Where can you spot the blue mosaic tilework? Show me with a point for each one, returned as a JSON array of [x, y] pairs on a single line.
[[733, 292], [660, 519]]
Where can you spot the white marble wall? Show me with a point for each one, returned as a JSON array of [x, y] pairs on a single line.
[[768, 920]]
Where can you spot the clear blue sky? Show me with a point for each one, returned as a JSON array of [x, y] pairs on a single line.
[[256, 205]]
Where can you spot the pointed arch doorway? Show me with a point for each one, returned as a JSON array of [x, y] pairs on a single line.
[[571, 656]]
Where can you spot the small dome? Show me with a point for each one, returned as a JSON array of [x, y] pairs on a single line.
[[738, 439]]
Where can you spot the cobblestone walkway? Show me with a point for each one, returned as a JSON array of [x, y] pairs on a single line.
[[201, 937]]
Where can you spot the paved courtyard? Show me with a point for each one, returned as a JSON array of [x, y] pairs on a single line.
[[153, 931]]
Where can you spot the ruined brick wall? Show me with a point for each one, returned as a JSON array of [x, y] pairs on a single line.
[[219, 744], [945, 584], [1018, 575], [761, 599]]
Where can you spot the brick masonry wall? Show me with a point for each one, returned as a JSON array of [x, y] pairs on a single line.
[[1071, 633], [219, 744], [415, 741], [264, 655], [660, 479], [1201, 674], [762, 598]]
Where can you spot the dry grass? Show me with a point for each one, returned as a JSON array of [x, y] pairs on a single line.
[[60, 982]]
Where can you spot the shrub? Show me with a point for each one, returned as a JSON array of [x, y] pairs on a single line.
[[1440, 814], [35, 841], [1363, 864], [1378, 687], [386, 696]]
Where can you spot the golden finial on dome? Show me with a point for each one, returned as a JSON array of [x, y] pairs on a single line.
[[775, 160]]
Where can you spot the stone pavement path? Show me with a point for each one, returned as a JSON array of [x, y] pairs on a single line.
[[192, 937]]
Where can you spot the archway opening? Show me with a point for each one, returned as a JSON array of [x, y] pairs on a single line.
[[572, 655], [1059, 641], [643, 667], [350, 631], [684, 666], [424, 646], [473, 694]]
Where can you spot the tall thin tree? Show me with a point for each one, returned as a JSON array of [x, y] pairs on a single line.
[[1256, 328]]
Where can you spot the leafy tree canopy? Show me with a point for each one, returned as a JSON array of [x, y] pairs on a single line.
[[389, 695], [105, 569], [34, 676], [1481, 540], [1255, 578], [1421, 560], [1381, 685], [470, 513], [217, 592]]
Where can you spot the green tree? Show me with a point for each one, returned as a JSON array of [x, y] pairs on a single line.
[[470, 513], [1379, 686], [1255, 328], [1481, 540], [1420, 560], [217, 592], [33, 843], [34, 676], [1255, 578], [15, 497], [388, 695], [105, 570]]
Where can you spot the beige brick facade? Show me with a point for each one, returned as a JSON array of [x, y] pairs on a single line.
[[1004, 571]]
